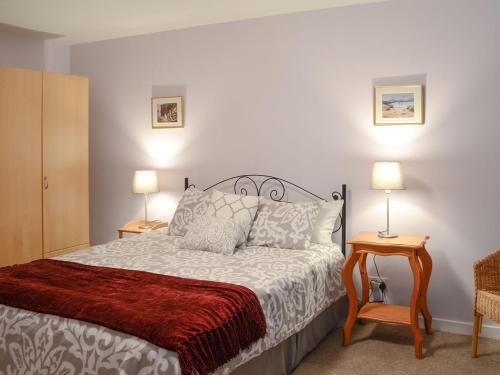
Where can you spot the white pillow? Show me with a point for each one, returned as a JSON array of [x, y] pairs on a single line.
[[214, 234], [241, 208], [325, 222]]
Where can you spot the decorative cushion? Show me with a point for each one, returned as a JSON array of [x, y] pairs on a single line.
[[325, 222], [214, 234], [240, 208], [284, 225], [194, 203]]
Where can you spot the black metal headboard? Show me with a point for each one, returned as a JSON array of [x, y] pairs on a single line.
[[275, 187]]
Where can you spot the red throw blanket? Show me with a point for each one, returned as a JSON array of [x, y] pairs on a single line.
[[207, 323]]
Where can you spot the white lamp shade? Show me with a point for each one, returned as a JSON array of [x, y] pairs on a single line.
[[145, 182], [387, 175]]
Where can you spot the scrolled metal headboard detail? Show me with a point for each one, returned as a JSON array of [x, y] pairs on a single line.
[[275, 187]]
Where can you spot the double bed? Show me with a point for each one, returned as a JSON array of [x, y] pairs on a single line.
[[300, 291]]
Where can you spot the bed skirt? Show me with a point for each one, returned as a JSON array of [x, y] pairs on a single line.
[[283, 358]]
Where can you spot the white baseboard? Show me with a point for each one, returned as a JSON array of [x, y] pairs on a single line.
[[463, 328]]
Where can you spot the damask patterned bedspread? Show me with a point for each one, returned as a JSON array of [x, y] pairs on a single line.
[[293, 287]]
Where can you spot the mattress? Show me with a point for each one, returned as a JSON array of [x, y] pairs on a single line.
[[293, 287]]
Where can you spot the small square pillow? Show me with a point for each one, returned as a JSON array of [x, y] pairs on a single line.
[[325, 222], [240, 208], [194, 203], [214, 234], [284, 225]]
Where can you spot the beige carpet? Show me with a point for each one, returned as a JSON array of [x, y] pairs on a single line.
[[388, 349]]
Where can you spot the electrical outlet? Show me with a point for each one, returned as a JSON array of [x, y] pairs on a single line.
[[377, 288]]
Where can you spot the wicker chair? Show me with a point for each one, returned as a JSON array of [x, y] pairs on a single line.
[[487, 301]]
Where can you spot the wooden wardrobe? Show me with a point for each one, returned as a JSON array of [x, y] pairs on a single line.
[[44, 199]]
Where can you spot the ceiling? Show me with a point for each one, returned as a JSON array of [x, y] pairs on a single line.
[[82, 21]]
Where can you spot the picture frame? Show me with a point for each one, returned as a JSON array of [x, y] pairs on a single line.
[[167, 112], [398, 105]]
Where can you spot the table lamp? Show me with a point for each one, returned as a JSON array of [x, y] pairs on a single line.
[[387, 175], [145, 182]]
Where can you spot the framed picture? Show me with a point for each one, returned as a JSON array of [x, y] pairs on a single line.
[[167, 112], [398, 105]]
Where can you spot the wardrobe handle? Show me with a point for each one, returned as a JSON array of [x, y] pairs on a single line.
[[45, 183]]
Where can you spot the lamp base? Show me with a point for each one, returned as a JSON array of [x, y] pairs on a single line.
[[384, 234], [145, 226]]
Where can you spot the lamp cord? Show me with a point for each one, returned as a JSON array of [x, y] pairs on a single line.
[[382, 282]]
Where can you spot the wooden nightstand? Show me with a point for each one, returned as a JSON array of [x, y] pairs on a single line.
[[412, 247], [133, 227]]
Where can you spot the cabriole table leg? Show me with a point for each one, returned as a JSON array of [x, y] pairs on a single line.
[[347, 271], [365, 292], [426, 275], [415, 303]]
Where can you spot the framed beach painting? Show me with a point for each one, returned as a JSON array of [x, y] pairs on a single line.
[[398, 105], [167, 112]]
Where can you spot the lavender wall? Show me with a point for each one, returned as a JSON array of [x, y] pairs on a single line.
[[30, 49], [292, 96], [21, 51]]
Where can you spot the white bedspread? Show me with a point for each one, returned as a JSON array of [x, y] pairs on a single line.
[[293, 286]]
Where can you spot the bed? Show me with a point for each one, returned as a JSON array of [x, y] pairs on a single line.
[[300, 291]]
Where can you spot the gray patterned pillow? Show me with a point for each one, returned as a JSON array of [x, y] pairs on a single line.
[[284, 225], [214, 234], [194, 203], [240, 208]]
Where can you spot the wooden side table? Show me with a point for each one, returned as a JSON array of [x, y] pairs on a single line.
[[412, 247], [133, 227]]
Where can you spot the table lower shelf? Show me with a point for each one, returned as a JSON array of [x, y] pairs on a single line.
[[385, 313]]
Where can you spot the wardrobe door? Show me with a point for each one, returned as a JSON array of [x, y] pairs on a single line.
[[20, 165], [65, 163]]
